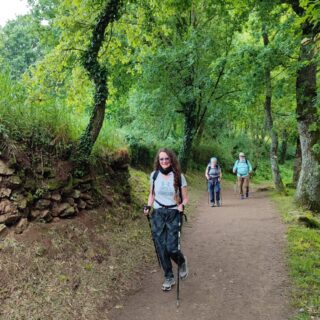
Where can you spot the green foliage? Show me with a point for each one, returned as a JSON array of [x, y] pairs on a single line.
[[304, 246], [287, 172], [48, 125], [140, 187], [221, 150], [110, 138], [20, 45], [304, 257], [142, 155], [159, 57]]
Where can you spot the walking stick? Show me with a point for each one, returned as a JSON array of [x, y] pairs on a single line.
[[181, 216], [154, 243], [179, 252], [236, 187], [220, 194]]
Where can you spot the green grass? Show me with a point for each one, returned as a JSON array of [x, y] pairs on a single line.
[[49, 123], [139, 183], [286, 171], [303, 259], [196, 189]]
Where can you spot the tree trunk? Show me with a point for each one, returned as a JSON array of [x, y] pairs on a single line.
[[284, 147], [200, 132], [269, 122], [297, 163], [189, 132], [98, 75], [308, 187]]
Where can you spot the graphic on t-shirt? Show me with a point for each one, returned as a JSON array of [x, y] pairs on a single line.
[[166, 189]]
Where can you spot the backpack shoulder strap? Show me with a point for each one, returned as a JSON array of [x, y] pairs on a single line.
[[180, 188], [154, 177]]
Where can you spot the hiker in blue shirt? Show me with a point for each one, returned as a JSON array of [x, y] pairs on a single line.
[[213, 175], [243, 169]]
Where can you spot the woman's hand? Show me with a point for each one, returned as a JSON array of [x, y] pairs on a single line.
[[146, 210], [180, 207]]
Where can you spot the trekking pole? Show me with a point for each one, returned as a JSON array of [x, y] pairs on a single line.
[[209, 182], [154, 243], [236, 187], [179, 252], [181, 216]]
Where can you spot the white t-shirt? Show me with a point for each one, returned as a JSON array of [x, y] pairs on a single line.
[[164, 189]]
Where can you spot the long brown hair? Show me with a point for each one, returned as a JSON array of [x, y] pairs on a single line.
[[175, 168]]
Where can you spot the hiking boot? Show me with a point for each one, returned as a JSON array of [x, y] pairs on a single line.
[[168, 283], [184, 270], [242, 197], [247, 195], [212, 204], [218, 203]]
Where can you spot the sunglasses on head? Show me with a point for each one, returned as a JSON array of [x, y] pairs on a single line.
[[164, 159]]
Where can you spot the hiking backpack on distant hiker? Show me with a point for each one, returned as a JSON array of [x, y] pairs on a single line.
[[218, 170], [213, 174]]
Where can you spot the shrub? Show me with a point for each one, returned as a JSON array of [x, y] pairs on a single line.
[[142, 154]]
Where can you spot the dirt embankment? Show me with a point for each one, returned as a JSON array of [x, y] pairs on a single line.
[[74, 268], [41, 186]]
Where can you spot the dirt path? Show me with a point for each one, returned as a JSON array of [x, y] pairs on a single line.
[[237, 268]]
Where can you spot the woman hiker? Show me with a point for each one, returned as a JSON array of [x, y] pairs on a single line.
[[168, 196], [213, 174]]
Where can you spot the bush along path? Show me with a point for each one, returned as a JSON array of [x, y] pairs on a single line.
[[237, 264]]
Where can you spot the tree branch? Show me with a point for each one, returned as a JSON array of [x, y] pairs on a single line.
[[227, 93], [73, 49]]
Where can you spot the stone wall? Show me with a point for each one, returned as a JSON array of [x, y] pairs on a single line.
[[41, 194], [20, 204]]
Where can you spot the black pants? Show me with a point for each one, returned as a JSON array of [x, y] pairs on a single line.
[[165, 228]]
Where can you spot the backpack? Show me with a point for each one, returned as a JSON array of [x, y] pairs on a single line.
[[209, 167], [154, 177]]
